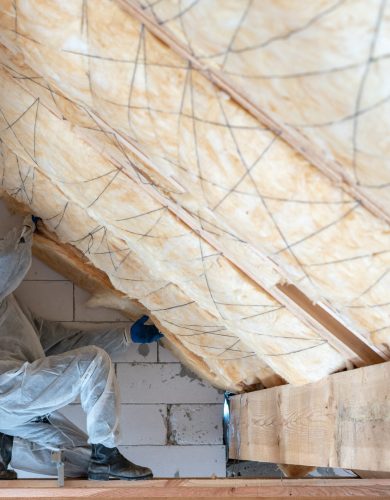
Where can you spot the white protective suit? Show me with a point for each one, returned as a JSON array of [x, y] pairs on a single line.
[[45, 366]]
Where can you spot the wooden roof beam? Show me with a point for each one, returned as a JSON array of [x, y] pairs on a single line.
[[341, 421]]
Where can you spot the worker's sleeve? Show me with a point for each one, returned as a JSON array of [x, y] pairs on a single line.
[[15, 257], [56, 338]]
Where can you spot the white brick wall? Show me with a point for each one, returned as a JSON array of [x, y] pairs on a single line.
[[171, 420]]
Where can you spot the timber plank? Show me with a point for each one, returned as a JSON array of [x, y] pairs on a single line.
[[199, 488], [341, 421]]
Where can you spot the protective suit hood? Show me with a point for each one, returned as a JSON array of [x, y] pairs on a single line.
[[15, 257]]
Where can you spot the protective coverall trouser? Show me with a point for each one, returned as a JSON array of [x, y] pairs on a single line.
[[32, 385], [50, 383], [60, 433]]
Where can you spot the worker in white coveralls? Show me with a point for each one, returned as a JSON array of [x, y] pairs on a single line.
[[43, 367]]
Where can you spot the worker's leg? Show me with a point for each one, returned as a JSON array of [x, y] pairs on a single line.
[[51, 383], [5, 457], [31, 457], [60, 433]]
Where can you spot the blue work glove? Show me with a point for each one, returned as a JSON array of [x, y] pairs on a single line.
[[144, 334], [35, 219]]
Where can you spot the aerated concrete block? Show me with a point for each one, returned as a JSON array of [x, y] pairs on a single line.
[[179, 461], [195, 424], [140, 424], [163, 383]]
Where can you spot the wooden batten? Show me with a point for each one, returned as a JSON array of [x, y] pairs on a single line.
[[336, 332]]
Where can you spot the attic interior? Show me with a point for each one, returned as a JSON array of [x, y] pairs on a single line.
[[222, 167]]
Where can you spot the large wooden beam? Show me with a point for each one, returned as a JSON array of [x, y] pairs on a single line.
[[341, 421], [199, 489]]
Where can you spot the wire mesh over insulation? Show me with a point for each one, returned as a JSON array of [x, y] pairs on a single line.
[[144, 154]]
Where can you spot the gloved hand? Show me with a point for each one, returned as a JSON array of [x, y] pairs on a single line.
[[35, 219], [144, 334]]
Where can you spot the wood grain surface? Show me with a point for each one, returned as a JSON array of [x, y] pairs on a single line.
[[341, 421]]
